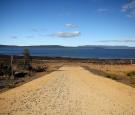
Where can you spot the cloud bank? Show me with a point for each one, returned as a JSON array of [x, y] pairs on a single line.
[[71, 25], [127, 40], [66, 34], [129, 8]]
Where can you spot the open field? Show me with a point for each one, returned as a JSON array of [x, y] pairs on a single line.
[[116, 72], [71, 90]]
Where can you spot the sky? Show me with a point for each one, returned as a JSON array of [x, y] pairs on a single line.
[[67, 22]]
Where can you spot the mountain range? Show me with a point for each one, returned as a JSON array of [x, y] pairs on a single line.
[[59, 46]]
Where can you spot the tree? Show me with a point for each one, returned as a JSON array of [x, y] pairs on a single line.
[[26, 57], [5, 68]]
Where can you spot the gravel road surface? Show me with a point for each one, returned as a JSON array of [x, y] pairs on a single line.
[[71, 90]]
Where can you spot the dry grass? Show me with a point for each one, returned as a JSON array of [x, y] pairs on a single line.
[[118, 72], [114, 69]]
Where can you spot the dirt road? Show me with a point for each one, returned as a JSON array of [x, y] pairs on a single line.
[[71, 90]]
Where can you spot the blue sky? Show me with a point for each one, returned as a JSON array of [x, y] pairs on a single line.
[[67, 22]]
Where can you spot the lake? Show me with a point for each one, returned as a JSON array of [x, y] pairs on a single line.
[[74, 52]]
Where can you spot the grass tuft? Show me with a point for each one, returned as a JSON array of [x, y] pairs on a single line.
[[131, 74], [111, 77]]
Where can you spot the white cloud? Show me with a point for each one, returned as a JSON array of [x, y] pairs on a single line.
[[129, 8], [130, 5], [102, 10], [14, 37], [125, 40], [34, 30], [37, 30], [42, 35], [30, 36], [71, 25], [66, 34], [131, 14]]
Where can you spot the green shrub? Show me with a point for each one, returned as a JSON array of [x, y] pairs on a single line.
[[23, 66], [8, 83], [131, 74], [108, 76], [4, 68], [27, 67], [27, 57], [114, 78], [20, 64]]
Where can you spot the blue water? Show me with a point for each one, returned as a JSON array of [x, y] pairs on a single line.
[[74, 52]]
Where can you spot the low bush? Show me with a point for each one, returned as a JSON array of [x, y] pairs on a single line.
[[5, 68], [23, 66], [131, 74], [111, 76], [20, 74], [108, 76], [39, 68], [114, 78], [8, 83]]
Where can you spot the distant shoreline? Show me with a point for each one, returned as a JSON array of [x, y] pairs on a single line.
[[66, 57], [60, 46], [85, 60]]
